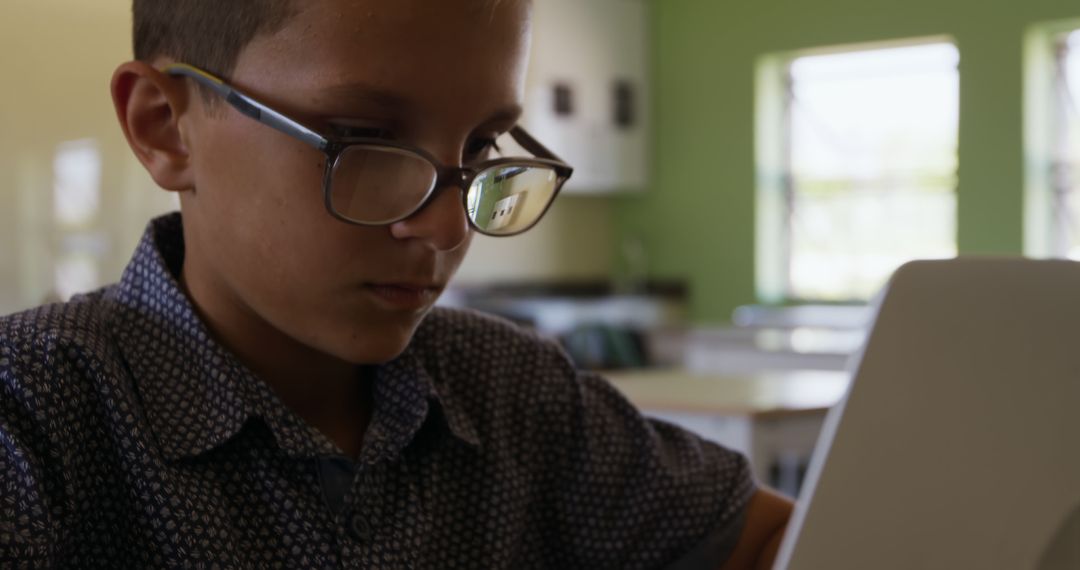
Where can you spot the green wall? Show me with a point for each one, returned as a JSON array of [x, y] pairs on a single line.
[[697, 220]]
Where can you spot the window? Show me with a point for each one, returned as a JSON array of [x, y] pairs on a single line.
[[1065, 154], [865, 164], [76, 204], [76, 183]]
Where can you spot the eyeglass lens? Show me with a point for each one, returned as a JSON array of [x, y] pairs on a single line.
[[380, 185], [373, 185], [509, 199]]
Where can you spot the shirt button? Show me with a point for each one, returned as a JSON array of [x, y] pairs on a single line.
[[359, 527]]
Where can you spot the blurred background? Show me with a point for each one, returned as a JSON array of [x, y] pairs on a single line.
[[748, 175]]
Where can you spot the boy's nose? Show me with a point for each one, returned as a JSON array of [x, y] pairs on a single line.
[[441, 224]]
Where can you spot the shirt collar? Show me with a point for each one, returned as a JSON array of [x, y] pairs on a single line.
[[197, 395]]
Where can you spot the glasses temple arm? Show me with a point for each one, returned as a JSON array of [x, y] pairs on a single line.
[[249, 106], [532, 145]]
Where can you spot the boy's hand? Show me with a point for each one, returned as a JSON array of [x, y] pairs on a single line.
[[767, 516]]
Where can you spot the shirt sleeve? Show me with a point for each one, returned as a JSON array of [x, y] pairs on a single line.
[[631, 492], [24, 518]]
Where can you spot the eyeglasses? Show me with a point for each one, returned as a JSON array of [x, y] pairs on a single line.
[[375, 182]]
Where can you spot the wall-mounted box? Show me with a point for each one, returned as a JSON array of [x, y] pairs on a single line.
[[587, 93]]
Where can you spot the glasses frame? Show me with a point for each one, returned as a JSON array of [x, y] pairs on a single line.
[[334, 147]]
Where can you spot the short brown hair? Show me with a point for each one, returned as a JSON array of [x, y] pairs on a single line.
[[209, 34]]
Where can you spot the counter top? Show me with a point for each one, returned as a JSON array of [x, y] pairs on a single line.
[[760, 395]]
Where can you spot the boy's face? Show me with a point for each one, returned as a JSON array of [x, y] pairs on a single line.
[[262, 251]]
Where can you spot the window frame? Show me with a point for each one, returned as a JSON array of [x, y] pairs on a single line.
[[1044, 236], [775, 185]]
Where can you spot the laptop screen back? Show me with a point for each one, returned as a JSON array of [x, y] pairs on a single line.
[[958, 444]]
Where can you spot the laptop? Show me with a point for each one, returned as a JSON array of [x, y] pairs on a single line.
[[957, 445]]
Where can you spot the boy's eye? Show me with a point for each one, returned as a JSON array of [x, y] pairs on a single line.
[[480, 148], [476, 149], [355, 132]]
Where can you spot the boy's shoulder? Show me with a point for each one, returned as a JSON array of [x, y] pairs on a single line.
[[55, 340], [54, 361], [82, 318]]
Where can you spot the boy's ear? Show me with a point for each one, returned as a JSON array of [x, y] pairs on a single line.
[[149, 105]]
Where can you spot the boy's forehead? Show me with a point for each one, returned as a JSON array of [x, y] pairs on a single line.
[[400, 46], [378, 31]]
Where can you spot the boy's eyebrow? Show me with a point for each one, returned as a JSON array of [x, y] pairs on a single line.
[[369, 95]]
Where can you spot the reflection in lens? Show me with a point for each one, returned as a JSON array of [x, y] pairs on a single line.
[[510, 198], [378, 185]]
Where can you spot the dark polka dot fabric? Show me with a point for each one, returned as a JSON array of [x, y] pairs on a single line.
[[129, 439]]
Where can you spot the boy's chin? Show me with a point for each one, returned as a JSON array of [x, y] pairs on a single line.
[[372, 347], [376, 355]]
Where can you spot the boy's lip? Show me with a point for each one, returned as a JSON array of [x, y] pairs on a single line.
[[411, 296], [411, 285]]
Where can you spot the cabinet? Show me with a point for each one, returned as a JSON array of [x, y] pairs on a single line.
[[587, 90]]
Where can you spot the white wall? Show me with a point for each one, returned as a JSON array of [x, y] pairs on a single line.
[[57, 58]]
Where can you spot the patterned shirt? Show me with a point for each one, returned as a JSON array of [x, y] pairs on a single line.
[[130, 439]]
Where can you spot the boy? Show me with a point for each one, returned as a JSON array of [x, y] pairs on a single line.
[[269, 385]]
